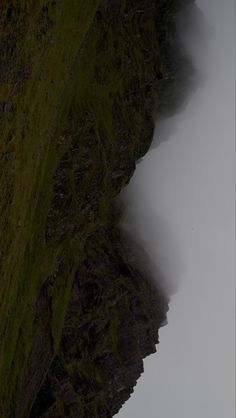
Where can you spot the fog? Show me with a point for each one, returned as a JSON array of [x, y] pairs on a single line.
[[180, 207]]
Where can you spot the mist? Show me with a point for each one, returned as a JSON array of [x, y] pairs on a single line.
[[180, 208]]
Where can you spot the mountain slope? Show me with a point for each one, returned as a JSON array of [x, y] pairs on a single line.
[[80, 84]]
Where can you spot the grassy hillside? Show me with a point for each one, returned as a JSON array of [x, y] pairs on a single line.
[[39, 45]]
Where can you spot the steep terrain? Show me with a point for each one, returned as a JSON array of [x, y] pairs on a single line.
[[80, 84]]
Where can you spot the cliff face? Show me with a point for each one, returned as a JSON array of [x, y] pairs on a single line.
[[77, 317]]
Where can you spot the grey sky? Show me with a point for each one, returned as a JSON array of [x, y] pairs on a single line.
[[181, 203]]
